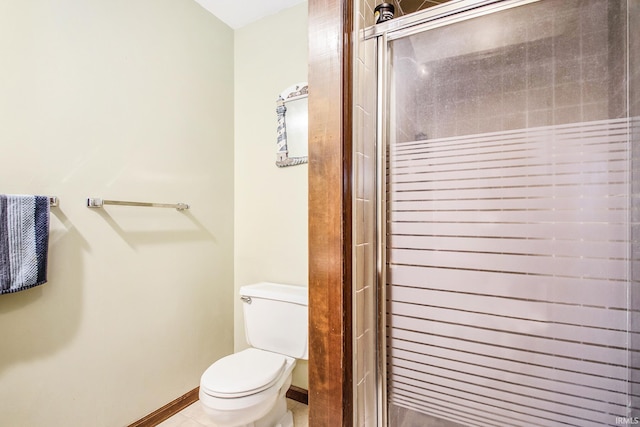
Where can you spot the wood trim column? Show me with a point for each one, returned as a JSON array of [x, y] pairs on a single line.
[[330, 147]]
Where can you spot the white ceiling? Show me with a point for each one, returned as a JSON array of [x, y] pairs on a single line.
[[238, 13]]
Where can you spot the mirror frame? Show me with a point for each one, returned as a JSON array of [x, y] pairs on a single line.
[[295, 92]]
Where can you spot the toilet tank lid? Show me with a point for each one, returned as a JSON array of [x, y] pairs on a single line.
[[277, 291]]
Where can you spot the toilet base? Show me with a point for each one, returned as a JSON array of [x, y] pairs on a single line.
[[286, 420], [279, 416]]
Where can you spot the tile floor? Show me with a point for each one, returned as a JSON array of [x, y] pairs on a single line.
[[194, 416]]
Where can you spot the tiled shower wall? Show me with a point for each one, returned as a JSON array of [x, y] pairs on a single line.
[[364, 226], [519, 80], [402, 7], [405, 7]]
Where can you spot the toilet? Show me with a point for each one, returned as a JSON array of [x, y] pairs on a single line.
[[248, 388]]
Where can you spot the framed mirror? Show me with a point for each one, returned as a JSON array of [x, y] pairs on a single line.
[[293, 123]]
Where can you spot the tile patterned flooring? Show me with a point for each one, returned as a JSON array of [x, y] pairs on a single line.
[[194, 416]]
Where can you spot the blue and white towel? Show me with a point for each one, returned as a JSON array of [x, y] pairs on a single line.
[[24, 241]]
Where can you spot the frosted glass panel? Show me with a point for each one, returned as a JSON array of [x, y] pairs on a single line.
[[509, 246]]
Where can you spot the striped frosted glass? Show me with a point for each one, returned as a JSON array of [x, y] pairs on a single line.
[[508, 276]]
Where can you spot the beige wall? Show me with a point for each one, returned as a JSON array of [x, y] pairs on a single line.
[[271, 202], [123, 99]]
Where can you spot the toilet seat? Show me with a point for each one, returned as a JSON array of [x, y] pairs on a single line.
[[244, 373]]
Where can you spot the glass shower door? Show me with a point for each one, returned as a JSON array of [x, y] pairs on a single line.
[[510, 284]]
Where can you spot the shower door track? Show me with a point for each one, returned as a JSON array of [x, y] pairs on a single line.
[[439, 16]]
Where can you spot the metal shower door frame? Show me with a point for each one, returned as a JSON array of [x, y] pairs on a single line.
[[446, 14]]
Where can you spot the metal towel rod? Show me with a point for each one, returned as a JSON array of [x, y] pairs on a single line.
[[96, 202], [53, 201]]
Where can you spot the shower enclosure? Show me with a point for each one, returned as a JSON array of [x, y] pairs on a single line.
[[507, 215]]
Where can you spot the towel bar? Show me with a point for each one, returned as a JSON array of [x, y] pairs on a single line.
[[53, 201], [96, 202]]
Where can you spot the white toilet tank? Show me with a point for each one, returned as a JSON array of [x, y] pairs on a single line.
[[276, 318]]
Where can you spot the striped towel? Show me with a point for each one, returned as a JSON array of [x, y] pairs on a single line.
[[24, 240]]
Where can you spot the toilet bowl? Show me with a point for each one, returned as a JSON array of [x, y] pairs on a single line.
[[243, 388], [248, 388]]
